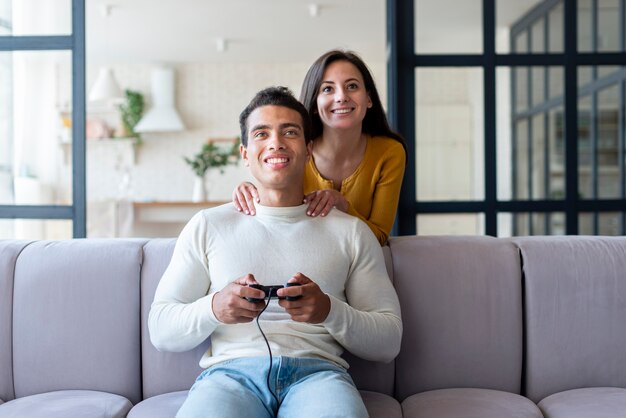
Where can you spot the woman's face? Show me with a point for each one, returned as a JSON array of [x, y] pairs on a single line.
[[342, 99]]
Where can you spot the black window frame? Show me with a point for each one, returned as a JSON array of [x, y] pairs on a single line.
[[75, 43], [401, 84]]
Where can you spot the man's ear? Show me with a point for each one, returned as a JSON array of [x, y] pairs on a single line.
[[244, 154], [309, 150]]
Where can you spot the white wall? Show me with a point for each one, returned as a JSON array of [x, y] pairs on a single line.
[[209, 100]]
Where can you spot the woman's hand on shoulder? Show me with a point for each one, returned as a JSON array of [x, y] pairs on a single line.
[[244, 197], [322, 201]]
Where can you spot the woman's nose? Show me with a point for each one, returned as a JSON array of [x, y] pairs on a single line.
[[341, 96]]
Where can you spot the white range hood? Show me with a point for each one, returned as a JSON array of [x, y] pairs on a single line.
[[162, 117]]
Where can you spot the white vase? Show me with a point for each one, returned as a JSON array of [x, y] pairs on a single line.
[[199, 190]]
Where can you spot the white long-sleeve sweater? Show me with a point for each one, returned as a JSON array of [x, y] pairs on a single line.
[[338, 252]]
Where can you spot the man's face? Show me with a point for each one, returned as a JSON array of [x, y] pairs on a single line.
[[276, 151]]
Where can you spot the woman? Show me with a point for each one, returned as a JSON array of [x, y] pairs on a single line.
[[357, 161]]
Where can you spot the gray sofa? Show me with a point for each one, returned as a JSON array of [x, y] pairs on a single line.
[[528, 327]]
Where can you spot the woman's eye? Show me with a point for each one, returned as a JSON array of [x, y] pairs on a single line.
[[326, 89], [353, 86]]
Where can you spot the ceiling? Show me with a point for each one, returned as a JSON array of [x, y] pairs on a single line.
[[172, 31], [175, 31]]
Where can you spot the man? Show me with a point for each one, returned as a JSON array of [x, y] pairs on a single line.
[[344, 299]]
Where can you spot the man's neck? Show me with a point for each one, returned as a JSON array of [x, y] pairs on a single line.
[[281, 197]]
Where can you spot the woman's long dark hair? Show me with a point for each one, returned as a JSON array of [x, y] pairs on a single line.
[[375, 122]]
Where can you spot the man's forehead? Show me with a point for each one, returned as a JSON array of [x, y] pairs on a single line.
[[271, 116]]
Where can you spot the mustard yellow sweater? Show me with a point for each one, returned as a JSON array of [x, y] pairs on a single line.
[[373, 189]]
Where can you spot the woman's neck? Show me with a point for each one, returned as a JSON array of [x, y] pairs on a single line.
[[340, 144]]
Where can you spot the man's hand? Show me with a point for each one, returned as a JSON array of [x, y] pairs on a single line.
[[244, 197], [229, 305], [314, 305]]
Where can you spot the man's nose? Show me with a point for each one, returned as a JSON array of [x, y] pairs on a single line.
[[276, 142]]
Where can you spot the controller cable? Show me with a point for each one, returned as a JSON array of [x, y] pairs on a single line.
[[269, 298]]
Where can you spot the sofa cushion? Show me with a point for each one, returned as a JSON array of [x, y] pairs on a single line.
[[67, 404], [469, 403], [76, 317], [165, 406], [575, 296], [461, 301], [163, 372], [160, 406], [584, 403], [379, 405], [9, 251]]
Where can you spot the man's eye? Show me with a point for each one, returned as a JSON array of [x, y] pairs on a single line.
[[260, 135], [291, 132]]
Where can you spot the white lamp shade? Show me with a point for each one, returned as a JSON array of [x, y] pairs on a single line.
[[163, 116], [106, 87]]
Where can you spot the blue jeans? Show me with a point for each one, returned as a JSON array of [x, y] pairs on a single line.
[[304, 387]]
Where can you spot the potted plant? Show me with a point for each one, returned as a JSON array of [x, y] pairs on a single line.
[[131, 113], [210, 156]]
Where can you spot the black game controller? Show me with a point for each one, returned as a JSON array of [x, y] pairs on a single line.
[[271, 291]]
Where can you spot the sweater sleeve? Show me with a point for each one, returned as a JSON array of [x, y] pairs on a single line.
[[368, 323], [386, 193], [181, 316]]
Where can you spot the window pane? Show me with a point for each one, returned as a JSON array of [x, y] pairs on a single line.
[[609, 223], [585, 180], [35, 17], [451, 224], [539, 86], [608, 26], [607, 70], [461, 33], [555, 82], [521, 43], [35, 229], [585, 17], [607, 143], [35, 128], [521, 89], [520, 152], [585, 76], [516, 18], [598, 137], [556, 150], [539, 151], [555, 29], [538, 36], [449, 134], [524, 224]]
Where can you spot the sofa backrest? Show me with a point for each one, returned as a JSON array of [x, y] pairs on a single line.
[[371, 375], [75, 317], [167, 372], [575, 299], [461, 301], [163, 372], [9, 251]]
